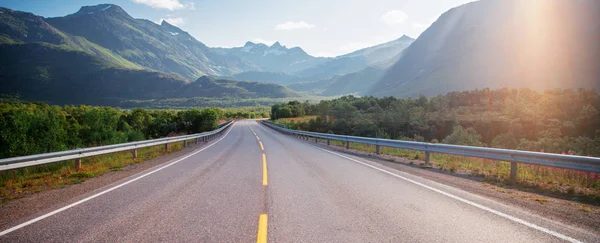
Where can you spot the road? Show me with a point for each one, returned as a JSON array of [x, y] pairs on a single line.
[[254, 183]]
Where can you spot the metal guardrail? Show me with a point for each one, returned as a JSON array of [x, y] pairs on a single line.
[[580, 163], [78, 154]]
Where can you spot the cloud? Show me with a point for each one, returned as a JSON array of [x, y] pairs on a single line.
[[174, 21], [290, 25], [394, 17], [167, 4]]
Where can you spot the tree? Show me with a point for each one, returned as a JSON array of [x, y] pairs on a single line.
[[461, 136]]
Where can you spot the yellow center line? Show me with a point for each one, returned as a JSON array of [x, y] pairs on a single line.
[[261, 146], [262, 229], [258, 138], [264, 164]]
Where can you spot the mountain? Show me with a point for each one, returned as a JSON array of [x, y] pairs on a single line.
[[501, 43], [50, 73], [162, 47], [43, 63], [357, 60], [21, 27], [274, 58]]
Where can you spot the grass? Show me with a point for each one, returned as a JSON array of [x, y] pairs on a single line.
[[569, 184], [18, 183]]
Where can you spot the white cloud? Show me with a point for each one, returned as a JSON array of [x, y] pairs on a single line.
[[167, 4], [266, 42], [394, 17], [290, 25], [174, 21]]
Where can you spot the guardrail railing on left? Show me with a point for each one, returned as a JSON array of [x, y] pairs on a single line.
[[581, 163], [78, 154]]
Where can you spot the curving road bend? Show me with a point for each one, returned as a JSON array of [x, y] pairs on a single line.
[[254, 184]]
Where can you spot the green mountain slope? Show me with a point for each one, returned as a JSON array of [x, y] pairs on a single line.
[[20, 27]]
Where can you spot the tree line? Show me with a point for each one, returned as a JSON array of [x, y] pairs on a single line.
[[557, 121], [33, 128]]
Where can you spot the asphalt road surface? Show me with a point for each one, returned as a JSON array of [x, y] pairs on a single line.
[[254, 184]]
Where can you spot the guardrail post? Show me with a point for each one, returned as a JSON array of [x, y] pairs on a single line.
[[316, 139], [77, 164], [166, 147], [196, 141], [328, 142], [347, 144], [377, 149], [184, 143], [134, 153], [513, 172], [427, 156]]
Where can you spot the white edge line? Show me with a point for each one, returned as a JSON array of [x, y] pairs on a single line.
[[474, 204], [108, 190]]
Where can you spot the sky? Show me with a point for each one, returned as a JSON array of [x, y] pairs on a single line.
[[320, 27]]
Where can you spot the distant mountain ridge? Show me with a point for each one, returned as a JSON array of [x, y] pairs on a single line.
[[274, 58]]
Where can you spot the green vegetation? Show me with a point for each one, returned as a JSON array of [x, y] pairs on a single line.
[[33, 128], [555, 121]]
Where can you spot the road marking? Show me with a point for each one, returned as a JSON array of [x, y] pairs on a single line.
[[109, 190], [262, 220], [474, 204], [264, 166], [262, 229]]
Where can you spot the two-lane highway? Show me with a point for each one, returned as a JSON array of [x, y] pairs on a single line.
[[255, 184]]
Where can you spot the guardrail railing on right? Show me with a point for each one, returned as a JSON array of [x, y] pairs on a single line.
[[580, 163]]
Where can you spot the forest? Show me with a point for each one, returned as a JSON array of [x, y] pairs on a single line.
[[556, 121], [33, 128]]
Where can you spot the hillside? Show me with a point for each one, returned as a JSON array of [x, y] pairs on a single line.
[[20, 27], [501, 43]]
